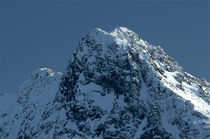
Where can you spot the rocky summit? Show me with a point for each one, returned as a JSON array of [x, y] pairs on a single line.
[[116, 86]]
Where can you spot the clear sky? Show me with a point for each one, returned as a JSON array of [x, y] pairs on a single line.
[[36, 34]]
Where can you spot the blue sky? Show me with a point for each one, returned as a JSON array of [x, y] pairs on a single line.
[[36, 34]]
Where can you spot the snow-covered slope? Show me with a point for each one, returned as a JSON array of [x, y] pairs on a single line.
[[7, 110], [115, 86], [7, 103], [35, 97]]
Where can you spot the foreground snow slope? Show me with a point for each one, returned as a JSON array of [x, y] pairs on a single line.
[[115, 86]]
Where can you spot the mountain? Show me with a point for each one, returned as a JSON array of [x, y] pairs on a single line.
[[115, 86]]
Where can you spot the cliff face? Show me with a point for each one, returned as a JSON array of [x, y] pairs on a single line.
[[115, 86]]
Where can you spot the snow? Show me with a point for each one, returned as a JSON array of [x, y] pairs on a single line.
[[170, 77], [120, 101], [189, 88], [199, 104], [144, 92], [43, 86], [103, 37], [111, 128], [105, 102], [140, 130], [172, 129], [7, 103]]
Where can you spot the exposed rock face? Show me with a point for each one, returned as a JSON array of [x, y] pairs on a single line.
[[116, 86]]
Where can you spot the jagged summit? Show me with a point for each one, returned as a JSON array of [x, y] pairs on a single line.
[[115, 86], [138, 74], [121, 37]]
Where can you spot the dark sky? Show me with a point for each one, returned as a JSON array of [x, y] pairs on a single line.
[[36, 34]]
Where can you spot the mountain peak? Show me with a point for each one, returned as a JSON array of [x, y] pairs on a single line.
[[100, 43], [42, 73], [115, 86], [136, 73]]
